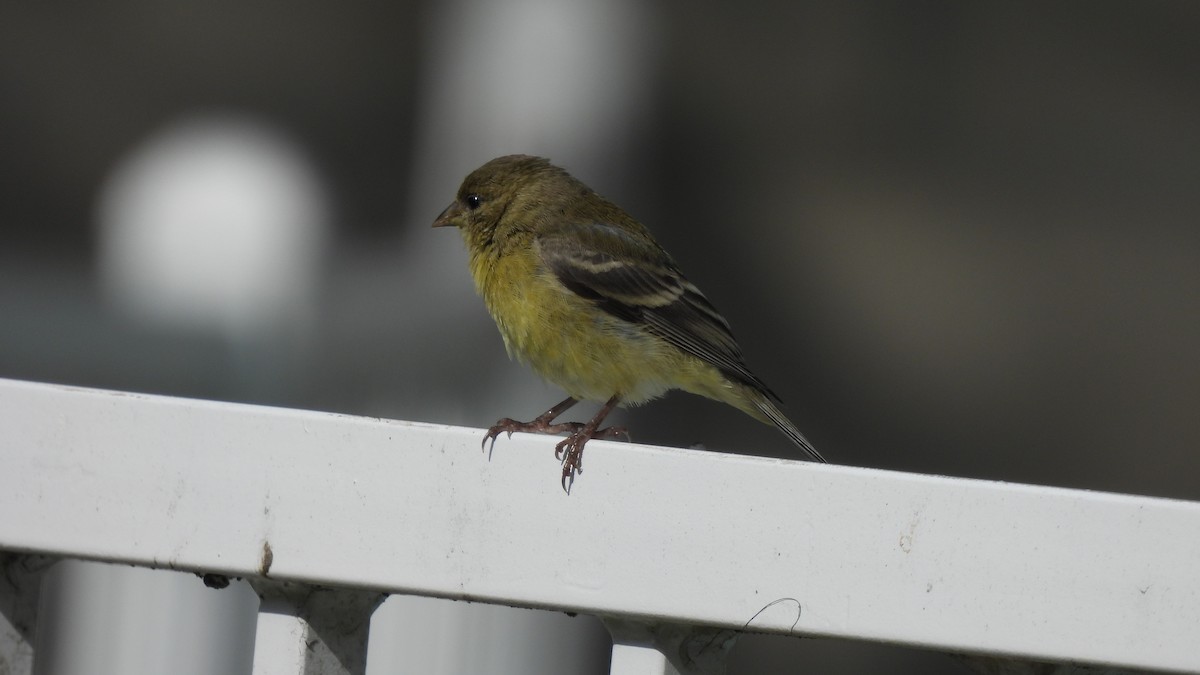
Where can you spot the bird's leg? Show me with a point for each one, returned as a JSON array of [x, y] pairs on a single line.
[[570, 450], [540, 425]]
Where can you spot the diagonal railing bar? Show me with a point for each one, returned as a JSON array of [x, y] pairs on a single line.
[[649, 536]]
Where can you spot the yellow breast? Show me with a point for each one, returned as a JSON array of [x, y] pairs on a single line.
[[572, 343]]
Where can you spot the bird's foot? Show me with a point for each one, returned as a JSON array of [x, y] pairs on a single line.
[[537, 426], [569, 451]]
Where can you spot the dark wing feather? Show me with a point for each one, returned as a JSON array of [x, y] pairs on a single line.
[[638, 282]]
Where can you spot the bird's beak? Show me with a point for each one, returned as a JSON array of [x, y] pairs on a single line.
[[448, 216]]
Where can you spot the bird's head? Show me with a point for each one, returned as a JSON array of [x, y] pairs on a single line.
[[504, 183]]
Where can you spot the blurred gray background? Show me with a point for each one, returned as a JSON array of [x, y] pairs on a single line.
[[956, 238]]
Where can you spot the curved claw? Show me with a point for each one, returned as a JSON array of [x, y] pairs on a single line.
[[569, 451], [495, 430], [491, 435], [509, 425]]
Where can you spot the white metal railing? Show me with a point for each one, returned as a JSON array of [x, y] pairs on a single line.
[[657, 541]]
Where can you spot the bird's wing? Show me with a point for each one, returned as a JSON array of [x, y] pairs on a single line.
[[635, 280]]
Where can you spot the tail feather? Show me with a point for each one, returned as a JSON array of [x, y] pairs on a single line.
[[785, 425]]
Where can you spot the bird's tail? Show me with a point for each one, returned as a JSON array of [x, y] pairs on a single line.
[[769, 409]]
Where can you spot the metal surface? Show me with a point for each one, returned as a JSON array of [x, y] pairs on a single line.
[[20, 590], [649, 534], [311, 631]]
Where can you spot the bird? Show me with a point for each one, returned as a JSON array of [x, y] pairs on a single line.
[[582, 293]]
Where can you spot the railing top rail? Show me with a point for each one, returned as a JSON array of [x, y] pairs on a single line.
[[647, 533]]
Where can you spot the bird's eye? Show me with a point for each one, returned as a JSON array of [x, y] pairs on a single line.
[[473, 201]]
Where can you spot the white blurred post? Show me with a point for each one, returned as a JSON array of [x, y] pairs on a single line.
[[215, 225]]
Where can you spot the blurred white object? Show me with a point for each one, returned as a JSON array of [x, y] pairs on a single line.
[[569, 80], [431, 636], [214, 223], [101, 618]]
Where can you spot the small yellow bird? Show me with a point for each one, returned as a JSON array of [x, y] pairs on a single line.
[[584, 294]]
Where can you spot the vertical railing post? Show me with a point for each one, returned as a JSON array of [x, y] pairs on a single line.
[[20, 588], [636, 659], [312, 631], [668, 649]]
